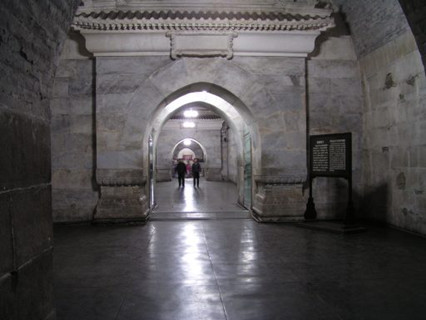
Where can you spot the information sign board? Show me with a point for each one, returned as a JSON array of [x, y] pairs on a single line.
[[330, 155]]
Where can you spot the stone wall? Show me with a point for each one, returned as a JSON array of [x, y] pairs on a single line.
[[373, 24], [31, 37], [394, 125], [335, 106], [415, 11], [74, 189], [393, 115], [273, 89]]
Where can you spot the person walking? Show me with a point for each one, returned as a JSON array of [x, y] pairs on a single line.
[[196, 169], [181, 171]]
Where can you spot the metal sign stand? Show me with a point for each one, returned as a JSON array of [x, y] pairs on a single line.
[[330, 155]]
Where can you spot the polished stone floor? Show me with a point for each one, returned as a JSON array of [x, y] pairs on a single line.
[[212, 199], [236, 269]]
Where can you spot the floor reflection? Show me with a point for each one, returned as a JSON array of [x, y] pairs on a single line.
[[236, 269], [211, 196]]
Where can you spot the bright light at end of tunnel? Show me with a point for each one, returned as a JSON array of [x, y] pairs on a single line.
[[187, 142], [190, 113], [188, 124]]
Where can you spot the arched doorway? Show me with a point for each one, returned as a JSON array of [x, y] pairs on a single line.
[[238, 142], [168, 153]]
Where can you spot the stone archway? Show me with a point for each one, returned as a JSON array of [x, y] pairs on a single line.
[[198, 149], [170, 150], [133, 93], [231, 115]]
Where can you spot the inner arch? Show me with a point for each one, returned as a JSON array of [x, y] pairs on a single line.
[[229, 108]]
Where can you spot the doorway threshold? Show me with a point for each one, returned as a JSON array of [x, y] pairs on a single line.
[[155, 216]]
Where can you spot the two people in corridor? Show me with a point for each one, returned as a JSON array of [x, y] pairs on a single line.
[[182, 170]]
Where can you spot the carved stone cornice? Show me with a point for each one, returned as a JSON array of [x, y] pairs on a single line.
[[200, 21], [202, 33]]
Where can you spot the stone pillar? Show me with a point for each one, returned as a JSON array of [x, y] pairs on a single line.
[[279, 198], [123, 197]]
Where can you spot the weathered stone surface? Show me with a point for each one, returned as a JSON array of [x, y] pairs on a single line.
[[279, 202], [330, 197], [26, 161], [261, 102], [110, 84], [72, 151], [341, 69], [8, 303], [336, 48], [172, 78], [141, 66], [272, 65], [74, 204], [35, 298], [6, 249], [335, 105], [74, 192], [393, 117], [123, 159], [414, 11], [272, 162], [30, 42], [32, 223], [226, 73], [114, 177], [112, 103], [380, 30], [122, 204]]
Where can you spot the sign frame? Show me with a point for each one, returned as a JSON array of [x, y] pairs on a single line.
[[330, 155], [337, 151]]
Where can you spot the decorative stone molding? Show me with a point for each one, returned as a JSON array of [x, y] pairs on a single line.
[[201, 44], [201, 21], [267, 31], [120, 177], [280, 180]]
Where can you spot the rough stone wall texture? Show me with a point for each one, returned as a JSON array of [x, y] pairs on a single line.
[[394, 108], [277, 102], [335, 106], [373, 23], [415, 11], [117, 82], [74, 190], [31, 36], [394, 135]]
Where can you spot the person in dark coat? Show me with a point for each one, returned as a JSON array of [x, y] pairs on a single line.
[[196, 169], [181, 171]]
